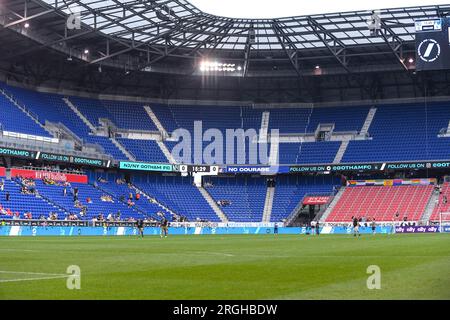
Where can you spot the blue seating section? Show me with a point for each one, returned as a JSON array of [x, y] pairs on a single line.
[[55, 194], [108, 146], [403, 133], [399, 132], [13, 119], [247, 196], [22, 203], [144, 150], [52, 108], [179, 195], [125, 115], [290, 190], [122, 190], [306, 120], [308, 153]]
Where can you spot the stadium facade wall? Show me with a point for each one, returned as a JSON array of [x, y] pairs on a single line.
[[56, 176], [155, 231]]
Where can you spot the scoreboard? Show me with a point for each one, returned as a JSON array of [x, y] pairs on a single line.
[[432, 44], [183, 168]]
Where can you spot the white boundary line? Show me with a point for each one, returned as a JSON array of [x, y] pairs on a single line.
[[49, 276]]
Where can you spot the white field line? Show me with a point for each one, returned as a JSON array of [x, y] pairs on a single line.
[[22, 250], [47, 276]]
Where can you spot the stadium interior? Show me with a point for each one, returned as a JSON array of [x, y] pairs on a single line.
[[344, 97]]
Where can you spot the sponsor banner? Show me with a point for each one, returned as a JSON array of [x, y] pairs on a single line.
[[446, 229], [186, 230], [2, 172], [336, 168], [418, 165], [255, 169], [316, 200], [17, 153], [124, 231], [89, 162], [45, 156], [417, 229], [143, 166], [56, 176], [392, 182]]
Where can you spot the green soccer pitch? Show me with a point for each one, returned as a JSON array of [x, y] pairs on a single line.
[[227, 267]]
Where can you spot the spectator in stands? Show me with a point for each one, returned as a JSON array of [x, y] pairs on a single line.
[[65, 191], [83, 211], [2, 185], [88, 200], [130, 203], [7, 196], [444, 199], [138, 196]]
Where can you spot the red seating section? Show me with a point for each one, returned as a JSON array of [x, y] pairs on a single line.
[[381, 203], [441, 207]]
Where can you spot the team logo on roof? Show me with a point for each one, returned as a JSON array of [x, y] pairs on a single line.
[[429, 50]]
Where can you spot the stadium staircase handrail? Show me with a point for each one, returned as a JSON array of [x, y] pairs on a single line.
[[39, 195], [23, 106], [322, 210], [160, 203], [294, 212], [135, 207]]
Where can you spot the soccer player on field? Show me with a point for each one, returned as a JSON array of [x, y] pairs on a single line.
[[164, 228], [140, 226], [356, 227], [373, 225]]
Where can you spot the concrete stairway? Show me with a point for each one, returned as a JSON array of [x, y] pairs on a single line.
[[268, 204], [333, 203], [430, 207], [24, 110], [341, 151], [156, 121], [213, 204], [368, 121], [80, 115], [166, 152], [128, 154], [264, 126]]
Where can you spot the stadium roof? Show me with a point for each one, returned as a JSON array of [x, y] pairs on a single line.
[[189, 27], [173, 36]]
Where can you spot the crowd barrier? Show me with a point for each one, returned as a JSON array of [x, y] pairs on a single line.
[[15, 230]]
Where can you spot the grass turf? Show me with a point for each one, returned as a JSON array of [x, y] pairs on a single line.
[[227, 267]]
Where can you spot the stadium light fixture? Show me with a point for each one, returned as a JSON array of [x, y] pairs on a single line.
[[411, 60], [86, 51], [317, 67], [26, 25], [215, 66]]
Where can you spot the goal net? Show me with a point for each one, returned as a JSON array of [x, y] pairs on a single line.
[[444, 222]]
